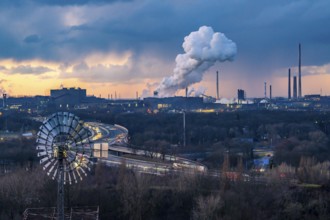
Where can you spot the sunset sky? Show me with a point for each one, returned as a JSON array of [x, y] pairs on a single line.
[[127, 46]]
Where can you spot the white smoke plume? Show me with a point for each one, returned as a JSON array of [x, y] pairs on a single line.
[[191, 90], [2, 90], [203, 48], [200, 91], [148, 91], [197, 92]]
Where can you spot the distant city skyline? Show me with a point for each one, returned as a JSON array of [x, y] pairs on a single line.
[[124, 47]]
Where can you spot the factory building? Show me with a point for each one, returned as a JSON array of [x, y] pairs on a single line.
[[240, 95], [67, 97], [177, 102]]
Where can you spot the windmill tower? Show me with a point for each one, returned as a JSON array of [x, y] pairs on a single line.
[[65, 151]]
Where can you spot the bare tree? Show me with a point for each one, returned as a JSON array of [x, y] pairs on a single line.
[[207, 208]]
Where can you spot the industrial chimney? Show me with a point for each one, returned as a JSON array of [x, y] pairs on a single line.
[[4, 100], [217, 85], [295, 87], [270, 91], [265, 89], [289, 84], [186, 92], [299, 72]]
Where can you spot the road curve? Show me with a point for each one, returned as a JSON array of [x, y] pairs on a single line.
[[115, 140]]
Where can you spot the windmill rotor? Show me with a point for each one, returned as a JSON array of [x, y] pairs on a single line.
[[63, 137]]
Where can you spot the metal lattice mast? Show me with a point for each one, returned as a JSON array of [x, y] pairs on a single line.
[[60, 190]]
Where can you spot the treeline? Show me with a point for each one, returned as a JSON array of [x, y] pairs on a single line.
[[17, 122], [19, 152], [290, 134], [123, 194]]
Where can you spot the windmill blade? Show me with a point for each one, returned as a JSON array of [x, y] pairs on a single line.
[[47, 146], [54, 166], [70, 120], [69, 177], [43, 160], [83, 171], [77, 170], [74, 177], [44, 136], [42, 153], [54, 175], [60, 118], [42, 141], [53, 124], [66, 128], [48, 164], [48, 126], [41, 147]]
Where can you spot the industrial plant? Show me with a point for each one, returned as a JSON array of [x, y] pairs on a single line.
[[76, 98]]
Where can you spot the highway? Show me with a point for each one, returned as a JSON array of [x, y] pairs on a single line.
[[115, 140]]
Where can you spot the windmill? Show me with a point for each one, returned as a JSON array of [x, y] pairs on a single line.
[[65, 151]]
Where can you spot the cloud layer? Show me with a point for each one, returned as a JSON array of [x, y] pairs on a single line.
[[68, 32]]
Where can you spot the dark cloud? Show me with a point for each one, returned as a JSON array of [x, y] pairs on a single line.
[[27, 69], [3, 68], [60, 2], [267, 33], [135, 70], [77, 2], [32, 39]]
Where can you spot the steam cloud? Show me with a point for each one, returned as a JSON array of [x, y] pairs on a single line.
[[203, 48], [196, 92], [2, 90]]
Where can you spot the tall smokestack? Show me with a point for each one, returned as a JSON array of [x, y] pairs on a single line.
[[289, 84], [186, 92], [4, 100], [137, 95], [295, 87], [299, 94], [217, 85], [270, 91], [265, 90]]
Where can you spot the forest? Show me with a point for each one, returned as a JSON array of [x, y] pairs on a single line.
[[296, 187]]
